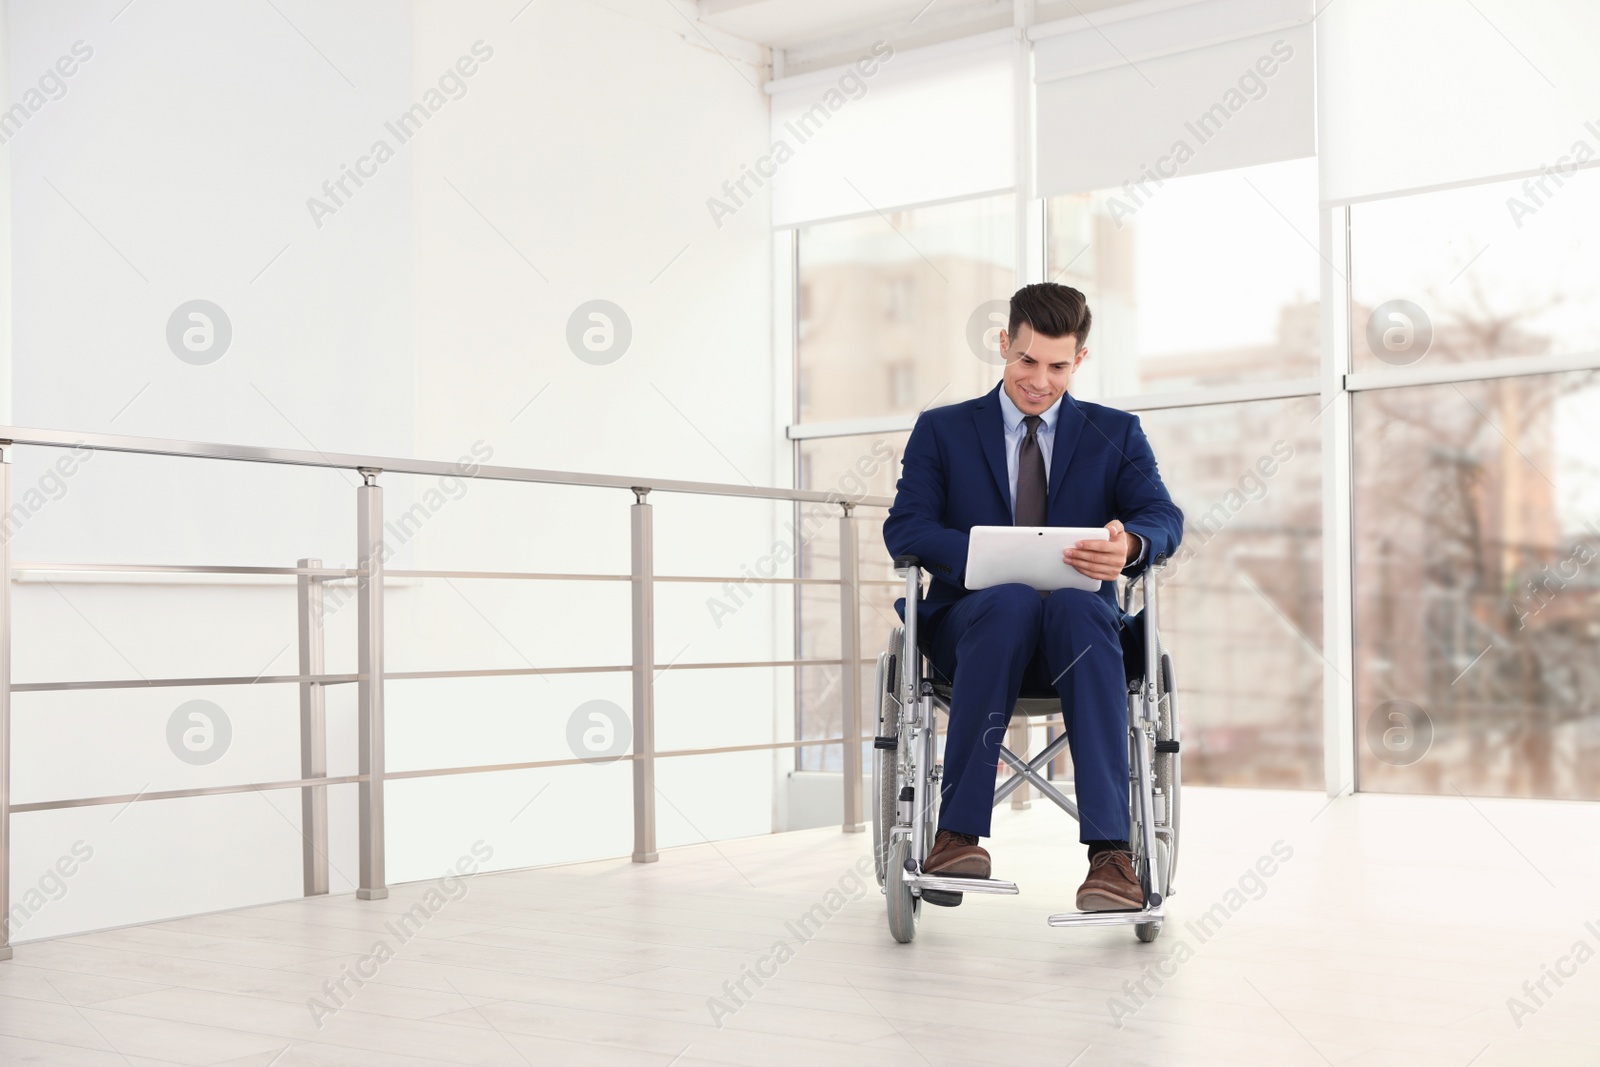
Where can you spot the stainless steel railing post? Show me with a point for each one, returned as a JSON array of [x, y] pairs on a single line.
[[644, 686], [5, 700], [850, 665], [369, 639], [313, 733]]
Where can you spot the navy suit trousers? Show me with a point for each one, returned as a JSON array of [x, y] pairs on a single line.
[[995, 643]]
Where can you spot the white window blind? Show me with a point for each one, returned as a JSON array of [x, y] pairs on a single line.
[[919, 128], [1435, 92], [1163, 92]]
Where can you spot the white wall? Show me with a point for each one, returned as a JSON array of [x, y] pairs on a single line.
[[591, 141], [409, 322]]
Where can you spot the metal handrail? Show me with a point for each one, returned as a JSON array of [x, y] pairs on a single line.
[[369, 574], [173, 568], [156, 446], [429, 772]]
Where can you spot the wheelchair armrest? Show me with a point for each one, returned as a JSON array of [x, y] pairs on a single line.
[[904, 563]]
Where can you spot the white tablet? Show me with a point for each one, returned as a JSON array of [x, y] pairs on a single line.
[[1028, 555]]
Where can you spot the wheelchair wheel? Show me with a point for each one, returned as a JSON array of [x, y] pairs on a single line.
[[885, 780], [1165, 768]]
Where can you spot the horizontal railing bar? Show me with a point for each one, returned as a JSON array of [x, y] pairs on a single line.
[[744, 578], [163, 683], [152, 446], [347, 572], [757, 748], [179, 794], [512, 672], [560, 577], [531, 575], [300, 783], [172, 568], [488, 768], [504, 672], [750, 663], [389, 676]]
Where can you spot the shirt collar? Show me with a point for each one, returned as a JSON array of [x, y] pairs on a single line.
[[1012, 415]]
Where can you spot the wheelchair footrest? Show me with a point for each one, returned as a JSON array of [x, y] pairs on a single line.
[[961, 885], [1107, 918]]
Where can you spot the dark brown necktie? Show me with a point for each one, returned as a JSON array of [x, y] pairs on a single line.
[[1032, 486]]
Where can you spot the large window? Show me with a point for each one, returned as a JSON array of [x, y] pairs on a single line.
[[1478, 587], [1486, 272], [885, 305], [853, 466], [1474, 577], [1242, 597], [895, 313], [1207, 284], [1477, 501], [1207, 281], [1477, 603]]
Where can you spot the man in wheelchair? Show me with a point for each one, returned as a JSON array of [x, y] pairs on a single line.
[[1027, 453]]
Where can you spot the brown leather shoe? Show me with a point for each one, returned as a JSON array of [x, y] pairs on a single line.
[[957, 855], [1111, 885]]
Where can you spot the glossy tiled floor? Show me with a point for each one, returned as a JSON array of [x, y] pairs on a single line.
[[1393, 933]]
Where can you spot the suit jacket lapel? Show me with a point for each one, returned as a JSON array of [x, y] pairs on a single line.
[[1069, 426], [992, 436]]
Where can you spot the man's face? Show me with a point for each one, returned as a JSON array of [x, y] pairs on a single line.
[[1038, 368]]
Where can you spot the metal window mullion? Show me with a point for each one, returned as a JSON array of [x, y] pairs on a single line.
[[1483, 370], [1338, 571], [5, 702]]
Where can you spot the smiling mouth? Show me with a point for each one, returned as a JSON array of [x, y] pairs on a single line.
[[1031, 395]]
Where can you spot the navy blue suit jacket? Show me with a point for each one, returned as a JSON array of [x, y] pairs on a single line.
[[953, 477]]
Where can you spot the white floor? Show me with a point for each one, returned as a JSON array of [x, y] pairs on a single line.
[[1394, 933]]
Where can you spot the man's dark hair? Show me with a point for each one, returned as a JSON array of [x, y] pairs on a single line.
[[1052, 310]]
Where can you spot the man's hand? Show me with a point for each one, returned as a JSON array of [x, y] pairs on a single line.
[[1104, 559]]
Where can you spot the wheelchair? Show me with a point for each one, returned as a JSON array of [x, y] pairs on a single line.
[[906, 773]]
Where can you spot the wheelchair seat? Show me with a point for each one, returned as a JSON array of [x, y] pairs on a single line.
[[1027, 704]]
